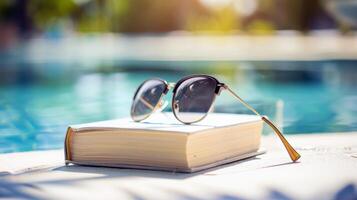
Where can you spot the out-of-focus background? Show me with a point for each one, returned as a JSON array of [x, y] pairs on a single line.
[[73, 61]]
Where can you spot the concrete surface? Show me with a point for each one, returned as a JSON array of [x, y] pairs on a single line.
[[327, 170]]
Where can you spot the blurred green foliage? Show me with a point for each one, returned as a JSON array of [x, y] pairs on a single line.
[[46, 13], [135, 16], [223, 21]]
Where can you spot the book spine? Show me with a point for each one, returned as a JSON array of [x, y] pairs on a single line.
[[67, 152]]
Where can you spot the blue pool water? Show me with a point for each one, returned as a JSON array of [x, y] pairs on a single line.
[[36, 107]]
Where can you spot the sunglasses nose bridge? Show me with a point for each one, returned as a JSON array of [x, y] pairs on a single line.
[[171, 85], [168, 87]]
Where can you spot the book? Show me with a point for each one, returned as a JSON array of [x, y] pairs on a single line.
[[163, 143]]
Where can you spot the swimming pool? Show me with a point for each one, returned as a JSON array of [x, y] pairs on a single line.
[[36, 106]]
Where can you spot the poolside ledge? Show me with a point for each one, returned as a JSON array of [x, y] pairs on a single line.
[[327, 170]]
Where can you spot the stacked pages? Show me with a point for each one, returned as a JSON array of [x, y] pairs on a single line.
[[163, 143]]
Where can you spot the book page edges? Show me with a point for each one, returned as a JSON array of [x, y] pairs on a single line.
[[71, 131], [184, 170]]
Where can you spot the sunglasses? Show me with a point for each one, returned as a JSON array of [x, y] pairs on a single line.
[[193, 98]]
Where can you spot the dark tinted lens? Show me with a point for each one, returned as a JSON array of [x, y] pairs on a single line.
[[193, 98], [146, 99]]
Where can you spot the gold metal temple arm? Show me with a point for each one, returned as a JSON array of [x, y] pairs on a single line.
[[294, 155]]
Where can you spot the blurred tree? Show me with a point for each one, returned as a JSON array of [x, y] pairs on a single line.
[[14, 13], [4, 9], [137, 16], [262, 20], [157, 15], [95, 16], [223, 20], [48, 13]]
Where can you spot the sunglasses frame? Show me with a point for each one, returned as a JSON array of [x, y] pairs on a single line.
[[294, 155]]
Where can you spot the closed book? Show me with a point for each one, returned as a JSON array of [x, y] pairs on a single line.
[[163, 143]]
